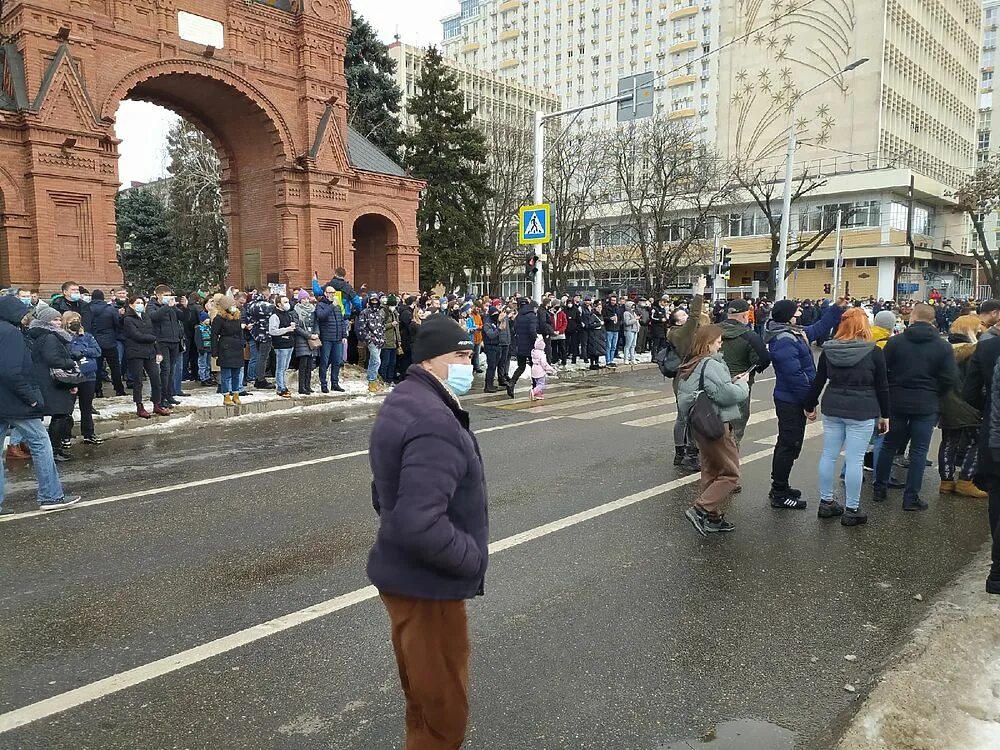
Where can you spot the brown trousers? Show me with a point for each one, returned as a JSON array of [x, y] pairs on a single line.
[[431, 641], [720, 472]]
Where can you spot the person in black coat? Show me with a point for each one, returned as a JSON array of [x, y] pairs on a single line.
[[106, 325], [592, 325], [50, 349], [167, 327], [525, 330], [227, 348], [572, 310], [922, 369], [143, 356], [71, 300]]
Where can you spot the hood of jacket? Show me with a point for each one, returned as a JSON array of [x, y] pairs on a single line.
[[12, 310], [846, 353], [732, 329], [774, 328], [963, 350], [685, 370], [228, 315], [920, 333]]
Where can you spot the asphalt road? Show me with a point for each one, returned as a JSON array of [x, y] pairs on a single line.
[[175, 613]]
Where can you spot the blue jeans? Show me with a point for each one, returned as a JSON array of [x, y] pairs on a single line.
[[330, 357], [611, 347], [205, 366], [33, 432], [919, 429], [179, 370], [374, 362], [126, 373], [229, 380], [389, 365], [851, 436], [282, 358]]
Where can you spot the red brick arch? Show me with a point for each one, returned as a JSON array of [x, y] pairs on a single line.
[[272, 98]]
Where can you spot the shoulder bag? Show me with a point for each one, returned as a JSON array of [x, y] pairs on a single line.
[[703, 418]]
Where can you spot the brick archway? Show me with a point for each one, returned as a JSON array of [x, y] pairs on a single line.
[[272, 97]]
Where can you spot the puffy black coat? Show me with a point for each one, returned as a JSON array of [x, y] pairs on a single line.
[[921, 368], [227, 339], [855, 378], [48, 350], [593, 328], [166, 324], [19, 388], [140, 341], [84, 309], [979, 391], [105, 324], [429, 489], [526, 330]]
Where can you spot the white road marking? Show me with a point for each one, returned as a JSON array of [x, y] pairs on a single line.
[[601, 413], [575, 403], [490, 398], [230, 477], [109, 685], [656, 419]]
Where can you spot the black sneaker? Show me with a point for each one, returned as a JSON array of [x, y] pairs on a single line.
[[182, 394], [93, 440], [786, 492], [61, 457], [698, 519], [830, 510], [324, 388], [66, 442], [992, 586], [879, 494], [720, 526], [896, 484], [869, 462], [916, 505], [782, 499], [679, 455], [691, 464], [853, 518], [64, 502], [338, 389]]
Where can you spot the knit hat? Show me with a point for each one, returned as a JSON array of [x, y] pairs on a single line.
[[784, 310], [47, 314], [885, 319], [439, 335], [202, 317], [302, 295]]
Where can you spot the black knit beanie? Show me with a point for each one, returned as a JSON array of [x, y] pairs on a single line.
[[438, 335], [784, 310]]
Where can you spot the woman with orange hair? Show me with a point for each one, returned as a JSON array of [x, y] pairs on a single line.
[[853, 371]]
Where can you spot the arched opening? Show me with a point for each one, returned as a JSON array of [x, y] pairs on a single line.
[[248, 148], [374, 235]]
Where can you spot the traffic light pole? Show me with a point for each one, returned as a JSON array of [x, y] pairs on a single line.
[[539, 183]]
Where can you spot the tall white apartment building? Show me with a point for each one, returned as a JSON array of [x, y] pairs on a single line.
[[494, 97], [577, 50], [988, 131]]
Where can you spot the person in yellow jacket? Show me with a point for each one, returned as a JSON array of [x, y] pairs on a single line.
[[885, 322]]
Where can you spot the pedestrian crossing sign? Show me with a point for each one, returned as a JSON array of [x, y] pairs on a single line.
[[536, 228]]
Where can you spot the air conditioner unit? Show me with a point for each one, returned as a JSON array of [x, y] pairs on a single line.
[[703, 110], [706, 77]]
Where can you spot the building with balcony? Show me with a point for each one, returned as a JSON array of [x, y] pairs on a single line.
[[493, 97]]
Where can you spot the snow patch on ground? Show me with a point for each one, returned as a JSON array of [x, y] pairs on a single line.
[[944, 693]]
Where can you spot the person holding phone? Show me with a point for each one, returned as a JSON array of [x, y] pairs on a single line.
[[852, 370]]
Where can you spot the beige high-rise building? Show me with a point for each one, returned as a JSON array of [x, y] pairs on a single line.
[[910, 112], [493, 97]]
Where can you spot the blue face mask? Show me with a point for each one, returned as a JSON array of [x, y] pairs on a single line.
[[459, 379], [26, 301], [140, 309], [74, 297]]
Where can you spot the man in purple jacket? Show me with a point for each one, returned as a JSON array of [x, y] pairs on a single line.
[[430, 554]]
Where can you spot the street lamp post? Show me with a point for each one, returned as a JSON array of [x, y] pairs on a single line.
[[786, 209]]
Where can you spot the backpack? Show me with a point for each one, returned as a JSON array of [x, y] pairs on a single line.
[[668, 360]]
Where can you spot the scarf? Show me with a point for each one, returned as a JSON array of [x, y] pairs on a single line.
[[304, 312]]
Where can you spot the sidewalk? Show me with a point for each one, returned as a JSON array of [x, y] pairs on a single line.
[[117, 416], [943, 692]]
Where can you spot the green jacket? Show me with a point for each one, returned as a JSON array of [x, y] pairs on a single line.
[[743, 349], [725, 394], [682, 337]]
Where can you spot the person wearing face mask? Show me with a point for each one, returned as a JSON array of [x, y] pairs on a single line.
[[281, 329], [162, 311], [107, 327], [50, 350], [143, 356], [431, 550], [370, 330], [71, 300], [86, 351]]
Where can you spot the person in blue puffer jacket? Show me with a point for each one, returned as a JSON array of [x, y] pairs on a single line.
[[86, 351], [794, 370]]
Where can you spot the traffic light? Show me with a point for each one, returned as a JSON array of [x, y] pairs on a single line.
[[726, 262], [827, 288], [531, 266]]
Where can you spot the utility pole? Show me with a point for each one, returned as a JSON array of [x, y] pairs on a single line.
[[838, 253]]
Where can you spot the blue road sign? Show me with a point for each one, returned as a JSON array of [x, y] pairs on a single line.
[[536, 225]]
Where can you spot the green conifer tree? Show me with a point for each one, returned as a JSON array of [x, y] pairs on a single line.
[[373, 98]]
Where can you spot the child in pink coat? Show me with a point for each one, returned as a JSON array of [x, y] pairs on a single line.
[[540, 368]]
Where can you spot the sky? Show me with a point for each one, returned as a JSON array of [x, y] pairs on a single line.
[[143, 127]]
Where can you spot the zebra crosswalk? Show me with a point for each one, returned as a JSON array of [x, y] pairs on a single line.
[[630, 407]]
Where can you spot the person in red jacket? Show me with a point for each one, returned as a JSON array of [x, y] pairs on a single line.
[[560, 322]]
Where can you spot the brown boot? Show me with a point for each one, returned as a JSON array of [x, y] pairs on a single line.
[[227, 400], [967, 489], [19, 452], [140, 409], [160, 411], [947, 486], [236, 399]]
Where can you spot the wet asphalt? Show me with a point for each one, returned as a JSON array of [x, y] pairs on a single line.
[[626, 631]]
